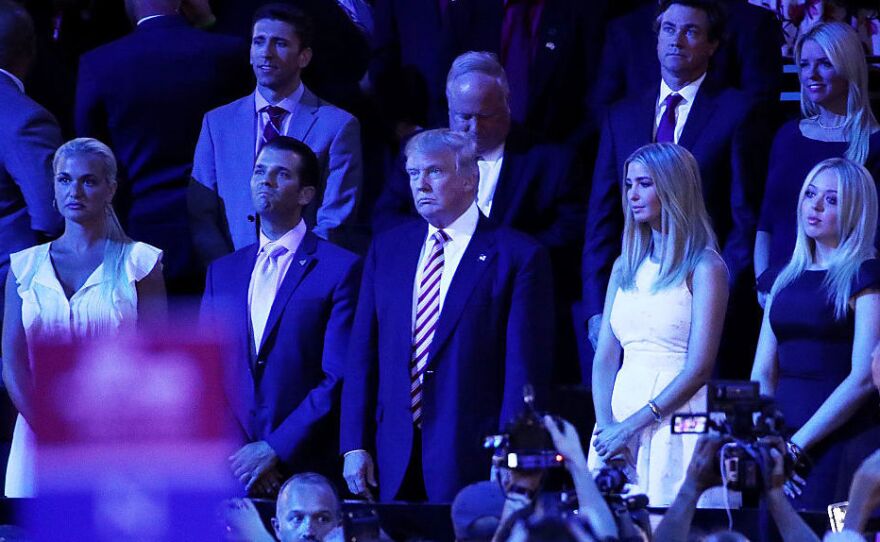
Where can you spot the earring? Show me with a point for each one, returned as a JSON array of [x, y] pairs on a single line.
[[54, 204]]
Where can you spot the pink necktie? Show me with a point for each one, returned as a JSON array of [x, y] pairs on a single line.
[[427, 314], [266, 282], [666, 129]]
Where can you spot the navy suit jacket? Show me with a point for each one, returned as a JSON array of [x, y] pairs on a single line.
[[287, 391], [408, 69], [145, 95], [748, 59], [730, 160], [566, 60], [29, 137], [494, 335]]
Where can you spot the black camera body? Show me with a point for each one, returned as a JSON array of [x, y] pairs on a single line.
[[738, 412], [525, 443]]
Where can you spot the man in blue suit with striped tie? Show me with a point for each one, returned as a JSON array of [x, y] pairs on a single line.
[[453, 319]]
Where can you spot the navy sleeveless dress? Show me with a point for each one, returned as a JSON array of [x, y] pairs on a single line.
[[814, 356]]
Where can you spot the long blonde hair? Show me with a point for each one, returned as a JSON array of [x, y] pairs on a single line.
[[684, 221], [857, 227], [842, 46], [118, 243]]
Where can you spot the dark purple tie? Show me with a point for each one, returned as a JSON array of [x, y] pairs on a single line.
[[272, 128], [666, 129]]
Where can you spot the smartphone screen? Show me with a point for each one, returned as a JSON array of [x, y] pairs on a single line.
[[689, 423]]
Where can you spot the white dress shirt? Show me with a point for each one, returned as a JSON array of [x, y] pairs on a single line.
[[259, 308], [289, 104], [490, 168], [688, 94], [460, 233]]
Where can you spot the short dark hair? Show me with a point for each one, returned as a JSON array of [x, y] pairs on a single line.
[[17, 38], [714, 10], [295, 17], [309, 168]]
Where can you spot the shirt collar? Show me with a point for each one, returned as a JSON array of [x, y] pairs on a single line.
[[689, 92], [15, 80], [147, 18], [289, 240], [464, 225], [288, 104], [494, 155]]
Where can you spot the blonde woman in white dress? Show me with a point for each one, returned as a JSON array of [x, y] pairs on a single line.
[[93, 281], [664, 309]]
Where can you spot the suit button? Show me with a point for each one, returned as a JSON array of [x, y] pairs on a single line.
[[261, 362]]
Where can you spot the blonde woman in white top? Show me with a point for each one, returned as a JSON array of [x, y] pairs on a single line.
[[91, 282], [665, 310]]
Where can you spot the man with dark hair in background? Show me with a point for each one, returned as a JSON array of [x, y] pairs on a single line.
[[29, 136], [145, 95]]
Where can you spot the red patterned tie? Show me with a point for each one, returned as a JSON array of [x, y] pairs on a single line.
[[272, 128], [427, 314]]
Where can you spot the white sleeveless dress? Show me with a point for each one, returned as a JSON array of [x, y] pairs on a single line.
[[653, 328], [47, 312]]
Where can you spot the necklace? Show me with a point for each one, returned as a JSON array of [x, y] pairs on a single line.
[[835, 127]]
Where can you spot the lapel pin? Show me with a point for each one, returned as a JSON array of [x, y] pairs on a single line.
[[302, 262], [550, 45], [482, 257]]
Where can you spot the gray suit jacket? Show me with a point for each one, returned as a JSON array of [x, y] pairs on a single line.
[[29, 136], [219, 199]]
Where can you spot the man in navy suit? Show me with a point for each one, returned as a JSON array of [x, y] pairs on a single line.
[[454, 318], [145, 95], [748, 57], [686, 109], [219, 202], [287, 304], [534, 188], [29, 136], [408, 62]]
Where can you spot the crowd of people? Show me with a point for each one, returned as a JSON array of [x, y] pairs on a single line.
[[497, 205]]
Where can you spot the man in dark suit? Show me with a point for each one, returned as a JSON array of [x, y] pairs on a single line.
[[548, 49], [287, 304], [686, 109], [408, 64], [219, 203], [452, 322], [534, 188], [29, 137], [145, 95], [748, 58]]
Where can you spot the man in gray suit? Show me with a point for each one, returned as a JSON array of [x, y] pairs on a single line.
[[221, 212], [29, 136]]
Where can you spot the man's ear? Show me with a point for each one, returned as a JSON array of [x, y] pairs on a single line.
[[305, 56], [306, 195], [277, 528]]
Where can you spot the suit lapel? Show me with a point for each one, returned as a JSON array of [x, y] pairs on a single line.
[[304, 116], [547, 49], [476, 260], [246, 115], [242, 373], [303, 262], [506, 189], [698, 118]]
